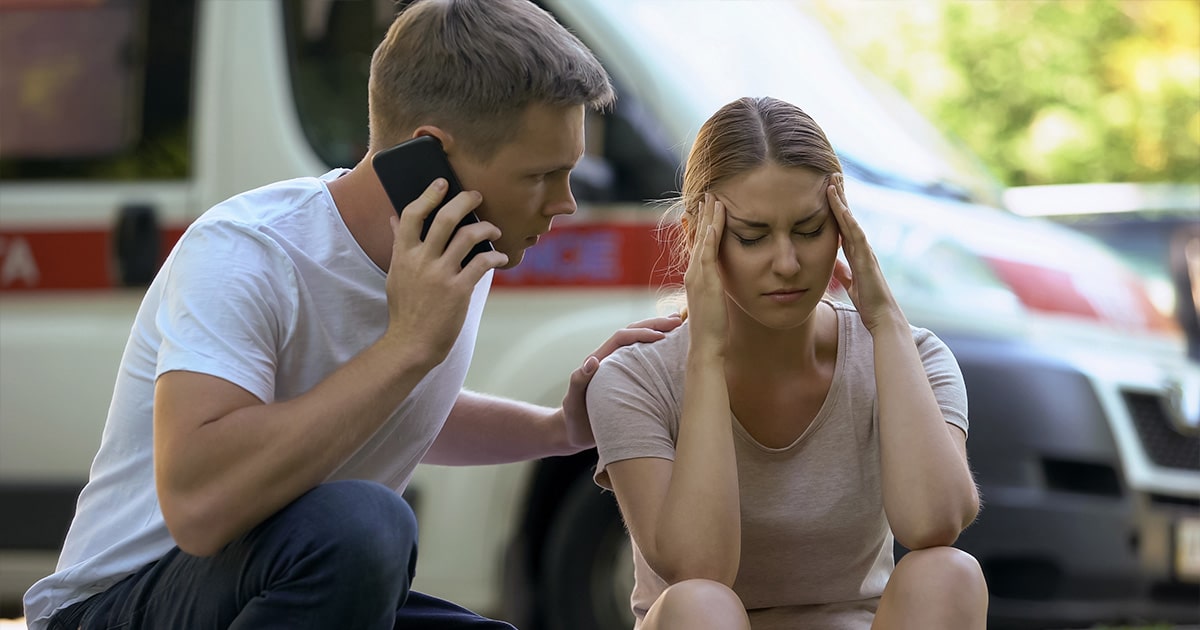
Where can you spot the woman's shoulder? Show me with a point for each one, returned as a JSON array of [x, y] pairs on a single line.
[[661, 359], [673, 346]]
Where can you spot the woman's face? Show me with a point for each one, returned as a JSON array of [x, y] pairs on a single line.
[[780, 243]]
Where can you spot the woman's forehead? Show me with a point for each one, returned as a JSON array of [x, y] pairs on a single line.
[[771, 190]]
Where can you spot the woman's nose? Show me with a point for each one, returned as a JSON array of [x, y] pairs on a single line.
[[784, 260]]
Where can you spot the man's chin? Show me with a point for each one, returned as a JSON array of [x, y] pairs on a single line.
[[514, 258]]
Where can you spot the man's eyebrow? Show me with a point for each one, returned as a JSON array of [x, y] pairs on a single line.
[[562, 166], [551, 168], [760, 224]]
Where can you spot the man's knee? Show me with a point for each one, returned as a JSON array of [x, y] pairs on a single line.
[[360, 526], [362, 511]]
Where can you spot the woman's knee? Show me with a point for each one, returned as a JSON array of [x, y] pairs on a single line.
[[941, 573], [697, 604], [945, 565]]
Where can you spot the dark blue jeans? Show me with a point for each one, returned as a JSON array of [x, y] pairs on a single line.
[[343, 555]]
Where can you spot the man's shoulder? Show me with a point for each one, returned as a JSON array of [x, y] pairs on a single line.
[[268, 202]]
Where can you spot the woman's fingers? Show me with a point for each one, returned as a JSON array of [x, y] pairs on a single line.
[[718, 223], [712, 234], [705, 212], [841, 211]]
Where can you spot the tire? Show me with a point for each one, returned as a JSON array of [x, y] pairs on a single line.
[[587, 571]]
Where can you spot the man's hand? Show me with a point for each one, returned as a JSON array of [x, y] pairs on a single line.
[[428, 289], [574, 405]]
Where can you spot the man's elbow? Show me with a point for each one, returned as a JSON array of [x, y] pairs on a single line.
[[192, 532]]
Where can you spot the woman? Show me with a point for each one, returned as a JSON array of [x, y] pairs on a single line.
[[764, 453]]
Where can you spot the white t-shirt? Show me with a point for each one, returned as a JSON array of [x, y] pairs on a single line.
[[267, 290], [816, 548]]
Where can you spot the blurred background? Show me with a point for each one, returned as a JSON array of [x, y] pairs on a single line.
[[1028, 172], [1087, 111], [1078, 91]]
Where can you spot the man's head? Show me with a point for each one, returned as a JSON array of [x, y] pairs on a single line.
[[471, 67], [504, 87]]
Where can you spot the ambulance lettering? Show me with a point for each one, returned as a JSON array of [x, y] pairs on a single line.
[[17, 264]]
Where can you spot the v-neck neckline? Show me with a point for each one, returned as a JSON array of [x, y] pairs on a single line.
[[830, 396]]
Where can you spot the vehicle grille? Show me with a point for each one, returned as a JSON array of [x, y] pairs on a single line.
[[1164, 444]]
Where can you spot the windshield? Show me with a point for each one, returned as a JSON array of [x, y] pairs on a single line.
[[714, 51]]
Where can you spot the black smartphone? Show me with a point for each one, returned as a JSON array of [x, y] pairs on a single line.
[[408, 168]]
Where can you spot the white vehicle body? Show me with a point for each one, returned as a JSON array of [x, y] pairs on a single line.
[[60, 345]]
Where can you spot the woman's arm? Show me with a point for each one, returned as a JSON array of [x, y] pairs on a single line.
[[686, 516], [928, 493]]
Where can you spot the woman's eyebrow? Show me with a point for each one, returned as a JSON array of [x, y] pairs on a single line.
[[760, 224]]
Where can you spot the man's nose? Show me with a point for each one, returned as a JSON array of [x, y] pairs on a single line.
[[560, 200]]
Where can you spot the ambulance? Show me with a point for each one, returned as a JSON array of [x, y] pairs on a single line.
[[123, 120]]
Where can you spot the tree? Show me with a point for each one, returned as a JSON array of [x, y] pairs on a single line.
[[1045, 91]]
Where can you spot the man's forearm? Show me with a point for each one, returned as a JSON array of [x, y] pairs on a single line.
[[486, 429]]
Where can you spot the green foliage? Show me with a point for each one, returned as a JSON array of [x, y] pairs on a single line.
[[1045, 91]]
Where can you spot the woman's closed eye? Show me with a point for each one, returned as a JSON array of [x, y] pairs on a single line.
[[814, 233], [753, 240], [748, 240]]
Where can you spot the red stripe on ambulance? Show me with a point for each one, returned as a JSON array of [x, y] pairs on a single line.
[[611, 255]]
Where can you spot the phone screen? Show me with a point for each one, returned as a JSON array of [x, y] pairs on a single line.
[[408, 168]]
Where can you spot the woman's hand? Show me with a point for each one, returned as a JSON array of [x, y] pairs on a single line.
[[863, 280], [702, 281]]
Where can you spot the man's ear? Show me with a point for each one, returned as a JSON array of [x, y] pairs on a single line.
[[441, 134]]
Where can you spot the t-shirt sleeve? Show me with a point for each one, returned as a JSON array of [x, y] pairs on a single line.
[[945, 377], [629, 408], [228, 306]]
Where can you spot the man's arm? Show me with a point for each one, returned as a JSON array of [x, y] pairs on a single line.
[[224, 461], [489, 430], [484, 429]]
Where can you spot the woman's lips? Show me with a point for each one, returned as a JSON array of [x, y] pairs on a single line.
[[786, 296]]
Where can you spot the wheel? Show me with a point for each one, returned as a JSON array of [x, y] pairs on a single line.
[[587, 571]]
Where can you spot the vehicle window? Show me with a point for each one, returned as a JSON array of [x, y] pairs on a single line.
[[330, 43], [95, 89], [634, 152]]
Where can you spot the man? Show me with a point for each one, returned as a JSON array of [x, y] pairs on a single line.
[[303, 349]]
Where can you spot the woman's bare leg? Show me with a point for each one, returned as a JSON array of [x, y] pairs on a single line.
[[935, 588], [697, 605]]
